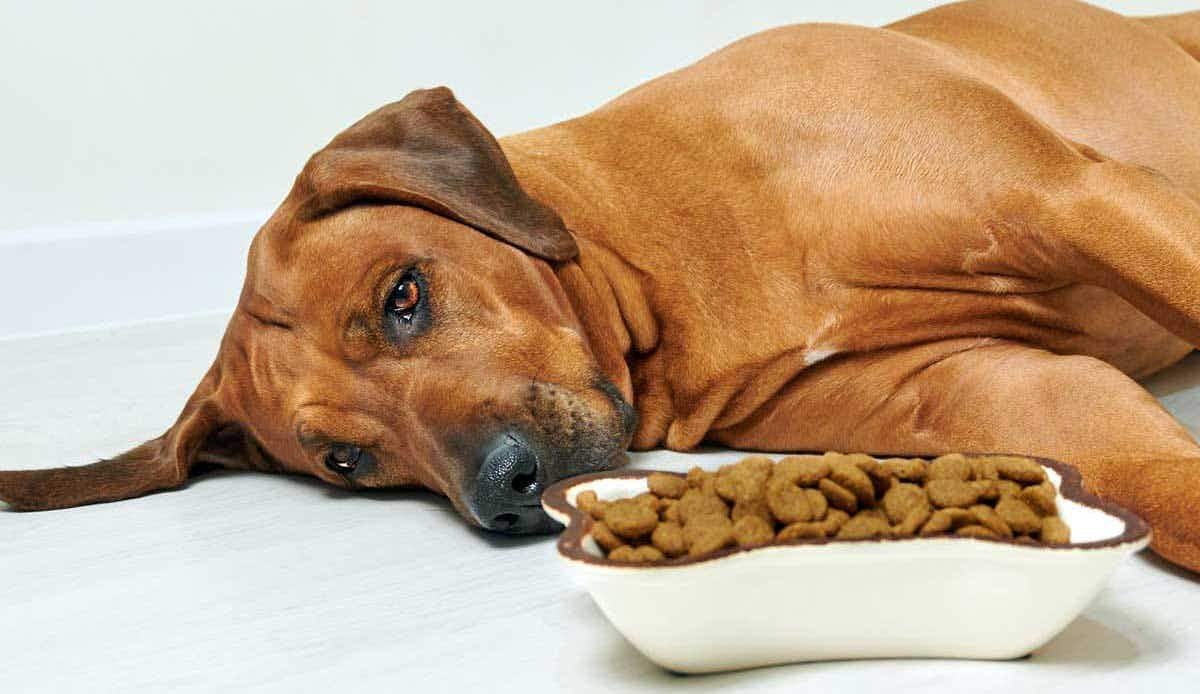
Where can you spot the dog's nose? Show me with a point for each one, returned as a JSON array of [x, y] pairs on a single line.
[[509, 487]]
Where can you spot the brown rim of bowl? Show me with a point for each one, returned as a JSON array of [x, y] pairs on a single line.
[[570, 542]]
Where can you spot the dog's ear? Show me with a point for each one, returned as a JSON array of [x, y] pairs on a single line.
[[429, 151], [200, 434]]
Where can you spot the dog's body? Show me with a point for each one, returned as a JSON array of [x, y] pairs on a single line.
[[966, 231]]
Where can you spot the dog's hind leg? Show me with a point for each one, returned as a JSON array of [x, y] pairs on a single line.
[[1126, 228], [1183, 29], [986, 395]]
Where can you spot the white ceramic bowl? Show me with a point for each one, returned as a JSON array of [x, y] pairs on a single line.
[[945, 597]]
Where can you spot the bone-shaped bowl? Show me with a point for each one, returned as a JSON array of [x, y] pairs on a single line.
[[935, 597]]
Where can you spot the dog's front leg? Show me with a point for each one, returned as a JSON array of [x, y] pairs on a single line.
[[1002, 397]]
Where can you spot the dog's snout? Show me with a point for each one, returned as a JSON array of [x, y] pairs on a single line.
[[509, 487]]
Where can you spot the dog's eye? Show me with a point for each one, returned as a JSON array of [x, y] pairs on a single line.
[[405, 298], [343, 458]]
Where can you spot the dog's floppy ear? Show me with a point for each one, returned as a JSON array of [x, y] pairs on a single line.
[[429, 151], [200, 433]]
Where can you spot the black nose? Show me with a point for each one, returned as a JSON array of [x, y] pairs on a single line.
[[509, 488]]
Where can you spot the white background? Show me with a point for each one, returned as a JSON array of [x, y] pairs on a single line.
[[145, 141]]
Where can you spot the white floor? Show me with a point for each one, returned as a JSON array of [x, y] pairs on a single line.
[[245, 581]]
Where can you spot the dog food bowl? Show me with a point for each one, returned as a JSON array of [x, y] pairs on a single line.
[[935, 597]]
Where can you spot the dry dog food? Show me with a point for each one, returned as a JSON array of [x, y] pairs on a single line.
[[758, 501]]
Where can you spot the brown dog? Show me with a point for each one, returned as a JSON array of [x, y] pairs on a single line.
[[964, 232]]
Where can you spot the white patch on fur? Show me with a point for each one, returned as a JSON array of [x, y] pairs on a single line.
[[815, 355]]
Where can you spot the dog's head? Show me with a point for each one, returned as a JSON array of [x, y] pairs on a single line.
[[401, 324]]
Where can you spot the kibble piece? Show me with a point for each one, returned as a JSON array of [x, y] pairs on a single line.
[[984, 469], [708, 534], [864, 526], [630, 518], [744, 481], [1018, 515], [751, 531], [757, 507], [625, 554], [697, 477], [975, 530], [649, 553], [605, 537], [664, 507], [666, 485], [1022, 470], [587, 502], [788, 503], [945, 492], [880, 479], [648, 499], [848, 476], [988, 518], [950, 467], [945, 520], [901, 499], [838, 496], [697, 503], [1040, 498], [834, 520], [818, 502], [670, 512], [912, 522], [801, 470], [1054, 530], [906, 469], [668, 538], [802, 531]]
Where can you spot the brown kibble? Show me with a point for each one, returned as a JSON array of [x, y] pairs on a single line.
[[670, 512], [1018, 515], [1055, 531], [697, 476], [751, 531], [917, 517], [906, 469], [605, 537], [818, 502], [744, 481], [707, 534], [1022, 470], [649, 553], [834, 520], [988, 518], [802, 531], [945, 520], [788, 503], [664, 506], [625, 554], [975, 531], [1040, 498], [668, 538], [757, 507], [667, 485], [801, 470], [983, 469], [838, 496], [849, 477], [950, 467], [697, 503], [880, 479], [901, 499], [945, 492], [630, 518], [864, 526], [587, 502], [648, 499]]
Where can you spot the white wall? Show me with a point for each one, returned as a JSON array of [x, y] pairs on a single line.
[[128, 123]]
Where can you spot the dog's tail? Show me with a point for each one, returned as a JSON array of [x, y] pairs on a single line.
[[1183, 29]]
